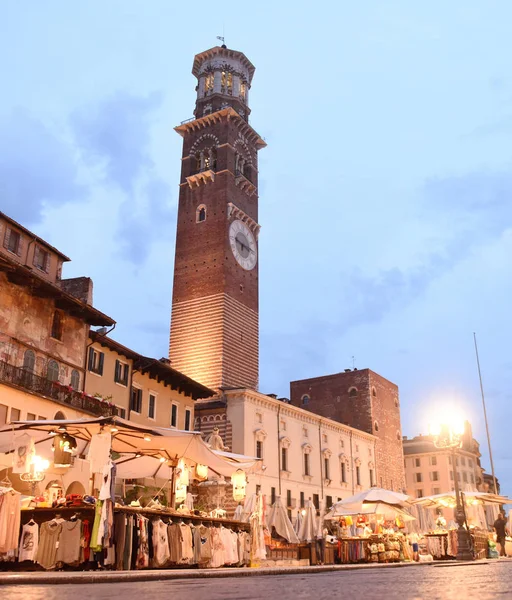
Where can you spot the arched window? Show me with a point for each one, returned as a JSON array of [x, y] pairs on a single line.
[[201, 213], [305, 399], [59, 416], [52, 371], [208, 84], [29, 361], [352, 392], [376, 426], [374, 392], [75, 379]]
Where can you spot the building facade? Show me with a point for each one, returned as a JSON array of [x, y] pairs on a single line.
[[145, 390], [44, 323], [429, 470], [54, 366], [364, 400], [214, 321], [305, 456]]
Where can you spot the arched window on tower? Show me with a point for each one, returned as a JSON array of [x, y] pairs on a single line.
[[201, 213], [226, 82], [353, 392], [243, 90], [208, 84]]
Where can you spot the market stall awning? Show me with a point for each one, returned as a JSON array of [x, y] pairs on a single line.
[[127, 439], [388, 511], [448, 500], [355, 503]]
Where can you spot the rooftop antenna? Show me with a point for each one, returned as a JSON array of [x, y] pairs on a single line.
[[485, 416], [353, 362]]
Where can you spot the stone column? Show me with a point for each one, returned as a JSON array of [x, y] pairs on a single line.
[[217, 82]]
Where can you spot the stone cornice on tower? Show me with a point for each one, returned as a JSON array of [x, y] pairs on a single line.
[[218, 116], [222, 53]]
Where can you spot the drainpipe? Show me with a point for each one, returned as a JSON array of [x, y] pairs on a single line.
[[320, 451], [279, 446], [352, 463]]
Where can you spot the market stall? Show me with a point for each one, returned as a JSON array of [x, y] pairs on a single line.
[[369, 527], [96, 525], [439, 536]]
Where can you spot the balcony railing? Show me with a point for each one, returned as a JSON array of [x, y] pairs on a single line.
[[21, 378]]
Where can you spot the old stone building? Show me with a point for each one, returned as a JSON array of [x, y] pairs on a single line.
[[44, 323], [366, 401], [53, 365]]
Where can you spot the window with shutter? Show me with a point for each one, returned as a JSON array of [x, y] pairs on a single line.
[[41, 259], [12, 241], [121, 373], [57, 325], [95, 363]]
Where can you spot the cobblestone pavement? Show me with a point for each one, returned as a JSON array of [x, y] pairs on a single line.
[[452, 582]]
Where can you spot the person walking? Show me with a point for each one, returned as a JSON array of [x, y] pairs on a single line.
[[500, 527]]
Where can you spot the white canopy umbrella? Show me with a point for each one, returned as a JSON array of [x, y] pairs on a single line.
[[388, 511], [307, 532], [278, 518], [356, 502], [127, 439], [447, 500]]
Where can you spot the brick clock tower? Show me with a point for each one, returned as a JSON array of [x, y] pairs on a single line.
[[214, 321]]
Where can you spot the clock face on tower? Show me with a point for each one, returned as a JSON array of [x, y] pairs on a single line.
[[243, 245]]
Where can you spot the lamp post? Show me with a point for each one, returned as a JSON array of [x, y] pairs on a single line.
[[450, 437]]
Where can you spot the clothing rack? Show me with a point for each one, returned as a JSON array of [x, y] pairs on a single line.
[[146, 512]]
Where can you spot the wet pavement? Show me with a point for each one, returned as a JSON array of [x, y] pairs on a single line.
[[450, 582]]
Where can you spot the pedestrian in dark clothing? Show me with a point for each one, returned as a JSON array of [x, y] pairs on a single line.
[[500, 527]]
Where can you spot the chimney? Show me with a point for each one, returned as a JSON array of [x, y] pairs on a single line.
[[348, 370], [274, 396]]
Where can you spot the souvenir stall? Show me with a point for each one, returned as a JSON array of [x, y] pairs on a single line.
[[98, 528], [439, 536], [370, 527]]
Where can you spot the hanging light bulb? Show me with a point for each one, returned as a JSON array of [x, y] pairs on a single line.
[[201, 472], [114, 430], [162, 459], [138, 454], [147, 438]]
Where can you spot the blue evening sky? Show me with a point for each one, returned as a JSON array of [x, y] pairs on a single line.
[[384, 189]]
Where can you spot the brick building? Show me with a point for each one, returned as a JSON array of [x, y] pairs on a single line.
[[214, 322], [366, 401]]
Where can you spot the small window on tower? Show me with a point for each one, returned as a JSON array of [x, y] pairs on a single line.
[[208, 84], [201, 214]]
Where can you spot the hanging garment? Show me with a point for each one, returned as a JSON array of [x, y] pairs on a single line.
[[186, 551], [127, 556], [68, 551], [29, 541], [175, 541], [160, 539], [217, 559], [120, 538], [202, 545], [142, 543], [99, 451], [85, 541], [49, 534], [10, 517], [95, 546], [24, 451]]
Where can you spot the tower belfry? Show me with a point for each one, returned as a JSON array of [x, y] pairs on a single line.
[[214, 321]]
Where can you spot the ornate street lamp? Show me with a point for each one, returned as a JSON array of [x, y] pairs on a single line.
[[449, 436]]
